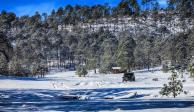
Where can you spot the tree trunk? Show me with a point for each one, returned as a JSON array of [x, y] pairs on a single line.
[[95, 70], [148, 63]]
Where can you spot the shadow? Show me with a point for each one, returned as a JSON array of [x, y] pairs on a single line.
[[31, 78], [50, 100], [147, 71]]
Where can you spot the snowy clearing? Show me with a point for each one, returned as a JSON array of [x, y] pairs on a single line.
[[96, 92]]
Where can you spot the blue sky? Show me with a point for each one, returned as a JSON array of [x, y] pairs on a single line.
[[24, 7]]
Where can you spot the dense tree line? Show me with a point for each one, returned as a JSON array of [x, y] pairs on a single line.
[[36, 40]]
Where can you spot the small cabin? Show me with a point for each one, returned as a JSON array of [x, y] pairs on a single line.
[[116, 70]]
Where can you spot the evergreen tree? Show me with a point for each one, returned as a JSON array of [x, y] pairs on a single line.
[[5, 47], [180, 49], [174, 87], [125, 53], [149, 45], [191, 67], [109, 48], [183, 7], [128, 7], [81, 71]]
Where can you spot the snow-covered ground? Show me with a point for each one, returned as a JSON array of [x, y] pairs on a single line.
[[96, 92]]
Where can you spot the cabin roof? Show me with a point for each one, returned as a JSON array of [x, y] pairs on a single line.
[[116, 68]]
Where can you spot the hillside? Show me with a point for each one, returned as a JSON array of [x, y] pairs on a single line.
[[152, 25]]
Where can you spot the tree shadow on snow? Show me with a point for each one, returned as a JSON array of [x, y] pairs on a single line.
[[30, 78], [51, 100]]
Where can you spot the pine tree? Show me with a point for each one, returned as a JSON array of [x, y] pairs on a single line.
[[174, 87], [191, 67], [183, 7], [3, 63], [125, 53], [5, 47], [109, 47]]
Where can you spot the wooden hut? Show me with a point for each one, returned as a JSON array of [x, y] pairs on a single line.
[[116, 70]]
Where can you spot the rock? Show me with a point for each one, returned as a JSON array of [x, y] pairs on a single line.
[[155, 79], [186, 92], [183, 80]]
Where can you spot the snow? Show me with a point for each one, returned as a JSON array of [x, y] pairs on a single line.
[[116, 68], [96, 92]]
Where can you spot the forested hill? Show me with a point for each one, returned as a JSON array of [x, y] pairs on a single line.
[[161, 25], [76, 36]]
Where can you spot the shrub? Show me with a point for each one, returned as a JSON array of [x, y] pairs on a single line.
[[81, 71], [191, 70], [106, 68]]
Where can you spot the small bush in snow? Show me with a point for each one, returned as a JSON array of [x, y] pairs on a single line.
[[81, 71], [105, 69], [174, 87], [155, 79]]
